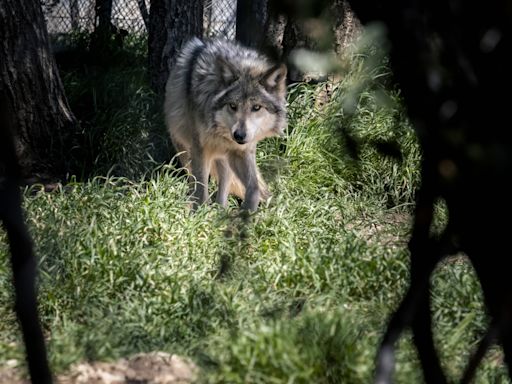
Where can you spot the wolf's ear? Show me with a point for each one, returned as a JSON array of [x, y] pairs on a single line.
[[274, 79], [226, 71]]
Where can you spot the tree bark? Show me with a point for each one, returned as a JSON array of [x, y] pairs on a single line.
[[44, 126], [171, 24], [74, 12], [103, 10], [289, 27], [144, 12], [103, 30], [275, 25], [345, 25], [251, 17], [207, 16]]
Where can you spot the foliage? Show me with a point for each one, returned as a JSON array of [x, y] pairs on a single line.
[[123, 133]]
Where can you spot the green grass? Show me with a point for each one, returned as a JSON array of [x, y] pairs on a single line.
[[123, 132], [299, 292]]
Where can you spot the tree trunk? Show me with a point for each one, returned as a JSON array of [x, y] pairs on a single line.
[[346, 26], [330, 30], [294, 37], [275, 25], [251, 17], [23, 261], [45, 126], [171, 23], [144, 12], [207, 17], [103, 10], [74, 12], [103, 30]]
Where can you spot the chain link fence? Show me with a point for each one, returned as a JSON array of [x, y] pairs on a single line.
[[66, 16], [220, 18]]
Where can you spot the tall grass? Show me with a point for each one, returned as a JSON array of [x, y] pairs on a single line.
[[298, 292], [123, 133]]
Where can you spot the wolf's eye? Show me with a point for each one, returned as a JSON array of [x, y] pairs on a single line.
[[233, 106], [256, 107]]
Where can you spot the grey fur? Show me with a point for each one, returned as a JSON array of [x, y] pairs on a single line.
[[221, 99]]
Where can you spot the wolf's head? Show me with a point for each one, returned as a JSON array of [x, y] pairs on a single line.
[[251, 103]]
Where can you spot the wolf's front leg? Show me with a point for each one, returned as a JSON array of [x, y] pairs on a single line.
[[224, 181], [199, 179], [244, 166]]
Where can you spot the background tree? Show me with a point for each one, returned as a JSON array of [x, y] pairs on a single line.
[[144, 12], [45, 126], [74, 12], [251, 18], [103, 9], [328, 25], [107, 38], [345, 25], [23, 260], [171, 23]]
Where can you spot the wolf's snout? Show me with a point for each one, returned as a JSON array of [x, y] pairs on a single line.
[[239, 136]]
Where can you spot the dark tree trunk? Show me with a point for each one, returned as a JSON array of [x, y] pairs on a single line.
[[251, 17], [23, 260], [107, 38], [103, 30], [103, 10], [144, 12], [294, 37], [171, 23], [74, 12], [275, 25], [44, 127]]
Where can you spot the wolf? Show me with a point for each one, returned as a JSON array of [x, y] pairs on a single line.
[[221, 99]]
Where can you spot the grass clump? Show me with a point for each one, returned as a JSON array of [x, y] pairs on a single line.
[[315, 347]]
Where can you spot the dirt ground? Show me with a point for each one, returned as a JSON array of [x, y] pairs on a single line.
[[150, 368]]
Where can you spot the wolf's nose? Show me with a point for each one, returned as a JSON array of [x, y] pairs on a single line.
[[239, 137]]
